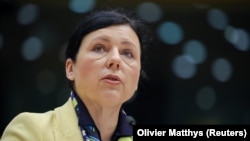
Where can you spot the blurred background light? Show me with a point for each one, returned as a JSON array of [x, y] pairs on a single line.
[[149, 11], [242, 42], [231, 35], [27, 14], [81, 6], [170, 32], [222, 70], [238, 37], [196, 50], [32, 48], [206, 98], [184, 67], [217, 19]]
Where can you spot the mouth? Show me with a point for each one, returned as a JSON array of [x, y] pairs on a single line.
[[112, 79]]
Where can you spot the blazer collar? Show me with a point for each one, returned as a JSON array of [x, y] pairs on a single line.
[[66, 123]]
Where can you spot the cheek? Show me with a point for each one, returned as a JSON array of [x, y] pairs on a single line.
[[135, 74], [86, 69], [86, 73]]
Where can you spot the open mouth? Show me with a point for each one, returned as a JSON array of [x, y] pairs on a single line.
[[112, 79]]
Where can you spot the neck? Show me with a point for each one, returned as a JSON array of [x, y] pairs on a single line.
[[106, 123], [105, 119]]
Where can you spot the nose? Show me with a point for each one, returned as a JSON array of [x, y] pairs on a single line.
[[114, 60]]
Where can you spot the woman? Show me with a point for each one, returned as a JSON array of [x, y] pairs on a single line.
[[103, 64]]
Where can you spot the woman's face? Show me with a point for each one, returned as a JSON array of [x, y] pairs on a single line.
[[107, 66]]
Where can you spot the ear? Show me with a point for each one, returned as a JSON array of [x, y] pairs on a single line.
[[69, 68]]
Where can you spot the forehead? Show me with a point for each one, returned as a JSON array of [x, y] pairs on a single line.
[[117, 32]]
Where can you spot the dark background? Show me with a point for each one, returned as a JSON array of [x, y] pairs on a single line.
[[40, 84]]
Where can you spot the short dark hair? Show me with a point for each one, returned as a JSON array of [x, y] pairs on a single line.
[[105, 18]]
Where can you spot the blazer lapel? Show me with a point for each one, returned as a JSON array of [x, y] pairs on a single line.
[[66, 123]]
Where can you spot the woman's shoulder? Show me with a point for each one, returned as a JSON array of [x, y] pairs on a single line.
[[29, 126], [38, 120], [33, 119]]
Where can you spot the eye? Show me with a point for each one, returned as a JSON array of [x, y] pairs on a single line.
[[99, 48], [128, 53]]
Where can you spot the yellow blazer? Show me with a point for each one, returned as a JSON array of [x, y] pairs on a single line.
[[61, 124]]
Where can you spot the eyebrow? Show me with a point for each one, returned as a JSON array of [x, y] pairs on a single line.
[[106, 39], [129, 43], [101, 38]]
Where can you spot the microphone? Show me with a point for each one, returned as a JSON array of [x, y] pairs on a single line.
[[131, 120]]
